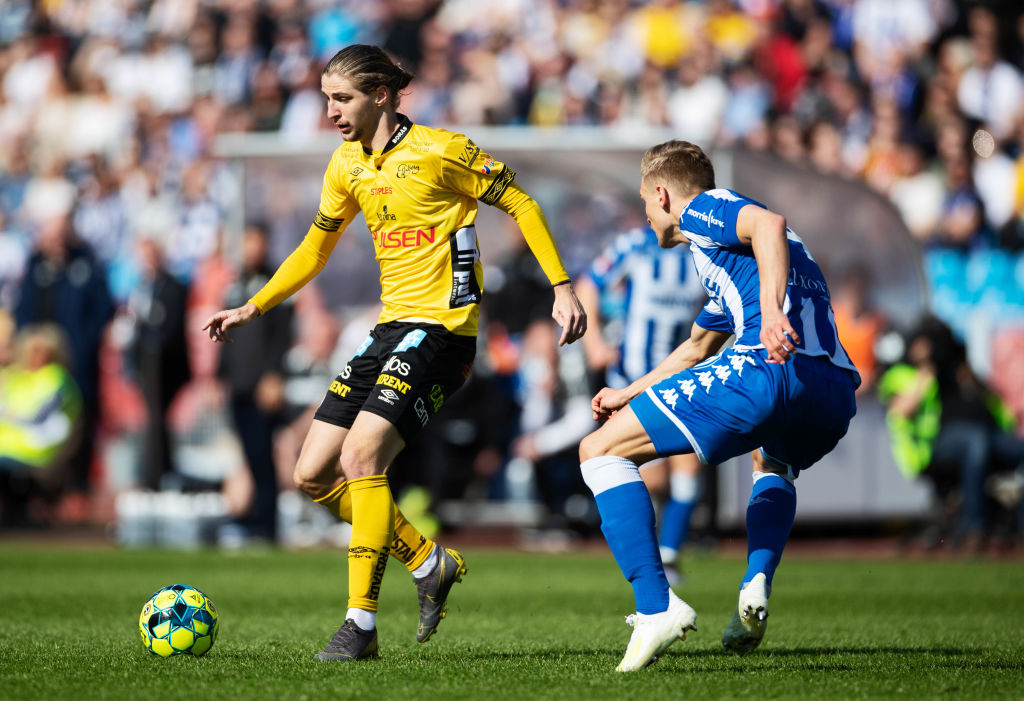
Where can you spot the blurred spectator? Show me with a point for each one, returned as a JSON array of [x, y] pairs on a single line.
[[697, 103], [253, 369], [990, 90], [917, 190], [65, 284], [858, 321], [39, 409], [13, 254], [158, 354], [947, 425], [960, 225], [555, 398]]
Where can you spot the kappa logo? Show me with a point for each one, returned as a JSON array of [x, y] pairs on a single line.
[[670, 397], [706, 379], [738, 361], [689, 387], [722, 372], [407, 169]]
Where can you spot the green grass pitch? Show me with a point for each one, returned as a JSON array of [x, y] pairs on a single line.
[[521, 626]]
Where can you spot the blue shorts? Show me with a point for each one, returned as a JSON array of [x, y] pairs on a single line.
[[737, 402]]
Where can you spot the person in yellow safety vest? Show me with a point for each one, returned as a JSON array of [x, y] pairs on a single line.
[[39, 401]]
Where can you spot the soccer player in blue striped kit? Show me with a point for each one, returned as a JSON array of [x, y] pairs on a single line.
[[785, 390]]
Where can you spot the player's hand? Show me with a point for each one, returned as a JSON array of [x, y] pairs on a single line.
[[778, 337], [608, 401], [218, 324], [569, 314]]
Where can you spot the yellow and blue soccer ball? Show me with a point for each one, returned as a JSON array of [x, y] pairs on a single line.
[[178, 620]]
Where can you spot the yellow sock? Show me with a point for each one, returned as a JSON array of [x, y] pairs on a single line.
[[338, 502], [373, 522], [408, 545]]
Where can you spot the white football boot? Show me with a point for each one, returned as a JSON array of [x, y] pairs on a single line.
[[654, 632], [750, 619]]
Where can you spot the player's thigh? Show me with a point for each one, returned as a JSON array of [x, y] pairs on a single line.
[[317, 471], [372, 444], [622, 436]]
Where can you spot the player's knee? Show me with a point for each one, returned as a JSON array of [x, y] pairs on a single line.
[[312, 479], [357, 462], [306, 483], [593, 446]]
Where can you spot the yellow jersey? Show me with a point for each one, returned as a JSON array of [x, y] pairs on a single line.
[[419, 196]]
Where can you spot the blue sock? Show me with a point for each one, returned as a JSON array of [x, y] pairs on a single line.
[[627, 521], [770, 515], [675, 523]]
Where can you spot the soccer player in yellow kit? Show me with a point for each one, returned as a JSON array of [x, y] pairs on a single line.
[[418, 189]]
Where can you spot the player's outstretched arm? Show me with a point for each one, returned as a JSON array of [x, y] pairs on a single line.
[[765, 231], [218, 324], [701, 345], [567, 310]]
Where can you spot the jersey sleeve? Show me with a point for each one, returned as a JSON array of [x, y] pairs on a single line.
[[336, 210], [713, 318], [470, 171], [712, 215], [337, 207]]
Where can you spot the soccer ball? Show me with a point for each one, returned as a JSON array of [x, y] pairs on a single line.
[[178, 620]]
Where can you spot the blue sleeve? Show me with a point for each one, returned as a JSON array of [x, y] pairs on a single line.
[[713, 319], [713, 215]]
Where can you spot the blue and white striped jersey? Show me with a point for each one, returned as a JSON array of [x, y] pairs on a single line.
[[728, 272], [662, 296]]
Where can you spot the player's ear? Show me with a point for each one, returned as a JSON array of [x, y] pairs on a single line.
[[664, 197], [381, 97]]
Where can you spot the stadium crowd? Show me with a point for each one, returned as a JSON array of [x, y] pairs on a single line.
[[110, 112]]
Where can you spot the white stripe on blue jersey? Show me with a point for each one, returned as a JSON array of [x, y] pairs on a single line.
[[662, 297], [728, 272]]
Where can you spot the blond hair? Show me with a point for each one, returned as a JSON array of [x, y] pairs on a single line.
[[679, 164], [49, 335]]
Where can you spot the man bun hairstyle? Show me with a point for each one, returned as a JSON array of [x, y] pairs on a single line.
[[680, 164], [368, 67]]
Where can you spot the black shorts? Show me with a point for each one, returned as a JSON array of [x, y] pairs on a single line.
[[404, 372]]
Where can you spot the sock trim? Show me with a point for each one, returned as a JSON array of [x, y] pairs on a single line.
[[333, 494], [607, 472]]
